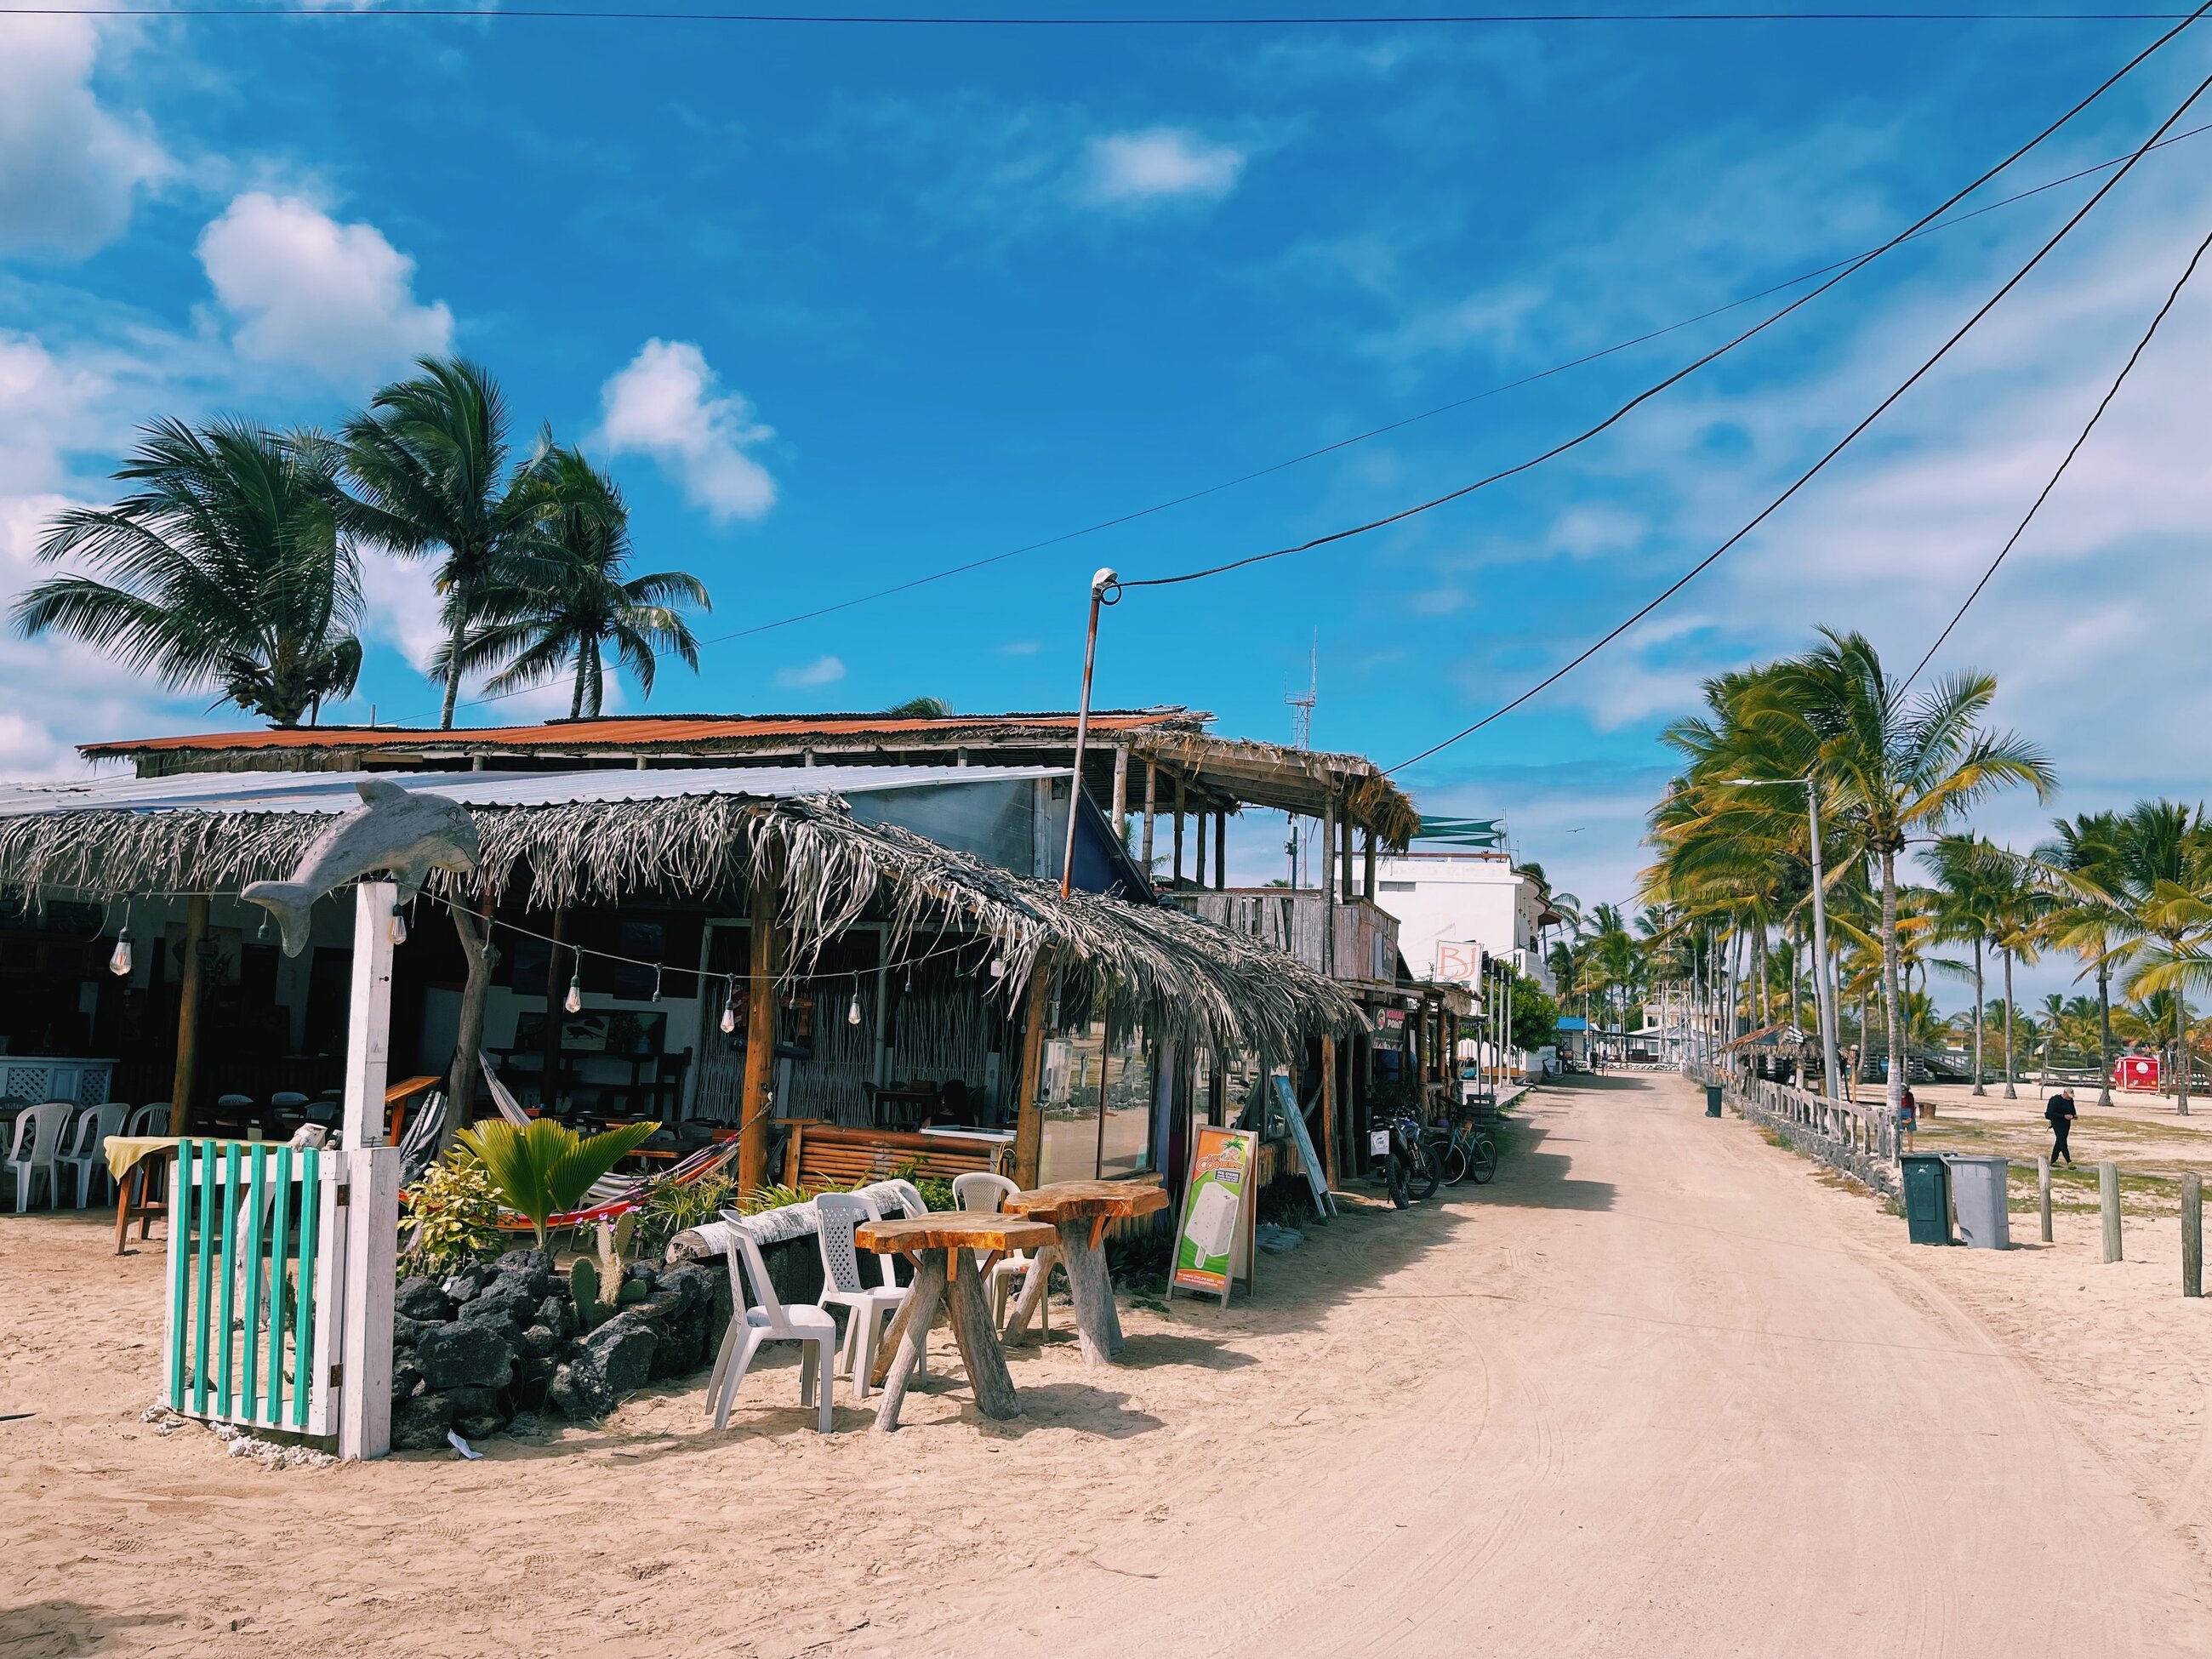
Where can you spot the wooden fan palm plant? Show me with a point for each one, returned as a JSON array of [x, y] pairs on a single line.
[[548, 1169]]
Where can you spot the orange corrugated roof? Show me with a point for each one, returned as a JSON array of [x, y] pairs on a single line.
[[635, 731]]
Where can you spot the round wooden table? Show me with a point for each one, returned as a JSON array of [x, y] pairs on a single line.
[[943, 1247], [1078, 1212]]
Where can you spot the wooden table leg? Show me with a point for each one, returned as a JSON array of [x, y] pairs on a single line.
[[1034, 1283], [919, 1309], [1097, 1328], [988, 1375], [137, 1172]]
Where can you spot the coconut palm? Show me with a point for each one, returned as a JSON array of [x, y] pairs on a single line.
[[2086, 916], [226, 569], [2161, 923], [558, 597], [1971, 881], [428, 460]]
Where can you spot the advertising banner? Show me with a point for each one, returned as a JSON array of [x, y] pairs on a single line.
[[1212, 1244]]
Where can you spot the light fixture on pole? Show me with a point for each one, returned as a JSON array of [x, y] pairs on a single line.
[[1102, 582], [1823, 993]]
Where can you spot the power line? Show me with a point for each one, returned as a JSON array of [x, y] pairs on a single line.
[[1806, 477], [2104, 404], [1387, 427], [856, 20]]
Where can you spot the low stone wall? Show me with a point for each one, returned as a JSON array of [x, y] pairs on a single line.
[[1860, 1141]]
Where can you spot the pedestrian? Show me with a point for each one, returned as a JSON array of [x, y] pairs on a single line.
[[2060, 1115], [1908, 1117]]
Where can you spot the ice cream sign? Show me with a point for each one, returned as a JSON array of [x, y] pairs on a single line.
[[1212, 1247]]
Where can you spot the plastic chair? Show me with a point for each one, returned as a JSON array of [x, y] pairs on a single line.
[[766, 1320], [87, 1156], [867, 1306], [987, 1194], [37, 1147], [149, 1119]]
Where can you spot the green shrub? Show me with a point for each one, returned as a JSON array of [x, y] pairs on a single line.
[[547, 1169], [455, 1210], [670, 1207]]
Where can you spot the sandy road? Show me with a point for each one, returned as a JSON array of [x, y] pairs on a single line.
[[1674, 1404]]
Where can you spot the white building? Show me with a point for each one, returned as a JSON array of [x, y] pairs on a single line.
[[1455, 908]]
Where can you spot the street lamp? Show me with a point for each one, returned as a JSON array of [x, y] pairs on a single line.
[[1823, 993], [1100, 582]]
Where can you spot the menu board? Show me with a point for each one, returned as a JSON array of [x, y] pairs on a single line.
[[1214, 1244]]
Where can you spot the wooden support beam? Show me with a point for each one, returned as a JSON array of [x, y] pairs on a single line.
[[1367, 875], [1327, 883], [1151, 810], [760, 1025], [1328, 1111], [1029, 1119], [557, 994], [1221, 849], [188, 1017], [1178, 832], [1121, 794], [1343, 832], [1199, 857], [368, 1017]]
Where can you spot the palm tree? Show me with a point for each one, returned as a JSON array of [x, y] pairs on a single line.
[[558, 595], [228, 569], [1963, 877], [2161, 871], [2086, 918], [1893, 762], [427, 459], [919, 708]]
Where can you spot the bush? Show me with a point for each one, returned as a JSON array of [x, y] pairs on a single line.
[[455, 1207], [670, 1207]]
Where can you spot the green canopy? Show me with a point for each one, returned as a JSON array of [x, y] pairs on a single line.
[[1466, 832]]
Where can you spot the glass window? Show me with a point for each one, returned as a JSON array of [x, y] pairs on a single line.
[[1095, 1088]]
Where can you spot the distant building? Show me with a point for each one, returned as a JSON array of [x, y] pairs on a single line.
[[1455, 908]]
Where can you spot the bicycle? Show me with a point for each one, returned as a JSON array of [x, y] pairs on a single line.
[[1464, 1150], [1410, 1168]]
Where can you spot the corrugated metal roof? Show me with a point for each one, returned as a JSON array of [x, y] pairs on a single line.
[[643, 732], [334, 791]]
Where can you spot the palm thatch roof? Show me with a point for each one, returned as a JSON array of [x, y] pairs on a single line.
[[552, 840]]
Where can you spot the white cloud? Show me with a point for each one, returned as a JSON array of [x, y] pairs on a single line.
[[666, 403], [1159, 164], [70, 169], [822, 670], [307, 290], [1018, 648]]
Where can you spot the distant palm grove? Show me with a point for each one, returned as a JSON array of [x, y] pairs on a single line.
[[1727, 918], [233, 565]]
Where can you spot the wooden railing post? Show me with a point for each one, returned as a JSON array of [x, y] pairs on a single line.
[[2108, 1191], [2043, 1194], [188, 1018], [2192, 1234], [1028, 1110], [760, 1021]]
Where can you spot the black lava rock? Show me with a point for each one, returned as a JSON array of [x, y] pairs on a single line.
[[554, 1314], [614, 1360], [470, 1280], [466, 1354], [406, 1379], [540, 1340], [420, 1423], [420, 1298], [528, 1267], [500, 1304]]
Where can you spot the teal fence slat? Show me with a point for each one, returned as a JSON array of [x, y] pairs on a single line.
[[181, 1234], [250, 1325], [226, 1261], [279, 1225], [207, 1201], [303, 1329]]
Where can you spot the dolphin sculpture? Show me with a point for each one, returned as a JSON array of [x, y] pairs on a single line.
[[396, 830]]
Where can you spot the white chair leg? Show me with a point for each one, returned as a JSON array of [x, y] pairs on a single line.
[[864, 1348], [734, 1377], [813, 1360], [822, 1382]]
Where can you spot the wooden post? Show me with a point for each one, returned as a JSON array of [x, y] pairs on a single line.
[[188, 1017], [760, 1023], [1343, 832], [1328, 1111], [1028, 1110], [1122, 794], [368, 1019], [1097, 1323], [1367, 874], [2108, 1189], [992, 1384], [556, 1014], [2043, 1194], [2192, 1234], [1221, 849], [1152, 812], [1327, 883], [1198, 853], [474, 931], [918, 1311], [1178, 833]]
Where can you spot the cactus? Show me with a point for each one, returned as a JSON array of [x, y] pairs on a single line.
[[632, 1291], [584, 1291], [613, 1239], [625, 1229]]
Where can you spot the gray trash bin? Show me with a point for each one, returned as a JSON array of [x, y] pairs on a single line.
[[1977, 1197]]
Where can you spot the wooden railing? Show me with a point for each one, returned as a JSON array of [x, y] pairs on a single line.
[[1858, 1138], [1364, 936]]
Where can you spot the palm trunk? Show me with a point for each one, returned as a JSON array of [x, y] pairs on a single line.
[[576, 696], [1891, 1004], [453, 674], [2180, 1053], [1980, 1018], [482, 958], [2011, 1093], [2103, 1035]]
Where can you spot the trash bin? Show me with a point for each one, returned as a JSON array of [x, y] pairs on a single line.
[[1926, 1199], [1978, 1192], [1713, 1100]]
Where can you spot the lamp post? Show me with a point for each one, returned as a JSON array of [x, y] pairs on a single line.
[[1823, 993], [1100, 582]]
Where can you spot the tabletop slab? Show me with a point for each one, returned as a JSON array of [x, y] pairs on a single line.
[[958, 1230], [1077, 1201]]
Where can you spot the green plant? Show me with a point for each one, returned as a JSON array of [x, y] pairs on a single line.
[[584, 1291], [455, 1210], [774, 1196], [547, 1167], [670, 1207], [936, 1190]]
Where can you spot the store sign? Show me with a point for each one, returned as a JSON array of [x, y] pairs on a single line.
[[1461, 962], [1214, 1243]]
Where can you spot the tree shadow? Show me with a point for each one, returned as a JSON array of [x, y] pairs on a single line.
[[61, 1630]]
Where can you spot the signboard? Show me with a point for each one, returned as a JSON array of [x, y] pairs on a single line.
[[2136, 1073], [1461, 963], [1214, 1243], [1287, 1104]]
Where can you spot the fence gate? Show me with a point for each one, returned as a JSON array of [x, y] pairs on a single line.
[[257, 1272]]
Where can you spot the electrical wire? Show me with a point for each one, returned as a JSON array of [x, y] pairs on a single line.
[[2104, 404], [1688, 369], [1382, 430], [1808, 476], [852, 20]]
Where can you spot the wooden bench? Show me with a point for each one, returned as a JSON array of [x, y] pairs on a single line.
[[822, 1155]]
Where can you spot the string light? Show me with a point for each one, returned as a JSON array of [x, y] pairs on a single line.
[[998, 968], [574, 1004], [852, 1008], [730, 1008], [120, 963], [399, 925]]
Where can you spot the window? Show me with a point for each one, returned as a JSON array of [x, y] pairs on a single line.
[[1096, 1098], [1397, 886]]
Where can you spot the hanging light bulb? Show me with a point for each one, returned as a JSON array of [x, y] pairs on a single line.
[[120, 963], [399, 925], [730, 1010], [998, 968], [656, 981], [263, 931], [574, 1004], [852, 1008], [910, 977]]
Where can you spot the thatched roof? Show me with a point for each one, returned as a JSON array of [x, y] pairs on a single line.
[[601, 837]]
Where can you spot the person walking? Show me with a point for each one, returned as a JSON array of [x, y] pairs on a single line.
[[2060, 1115], [1908, 1117]]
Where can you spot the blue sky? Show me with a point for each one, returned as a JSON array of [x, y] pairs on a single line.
[[844, 306]]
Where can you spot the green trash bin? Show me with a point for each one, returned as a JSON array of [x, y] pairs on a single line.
[[1713, 1100], [1926, 1199]]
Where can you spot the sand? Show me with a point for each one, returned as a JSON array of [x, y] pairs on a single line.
[[1663, 1389]]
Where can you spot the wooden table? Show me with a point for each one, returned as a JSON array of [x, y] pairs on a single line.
[[1078, 1210], [943, 1247]]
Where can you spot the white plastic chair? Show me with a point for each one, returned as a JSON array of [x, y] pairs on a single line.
[[867, 1306], [766, 1320], [87, 1157], [150, 1119], [37, 1148], [987, 1194]]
